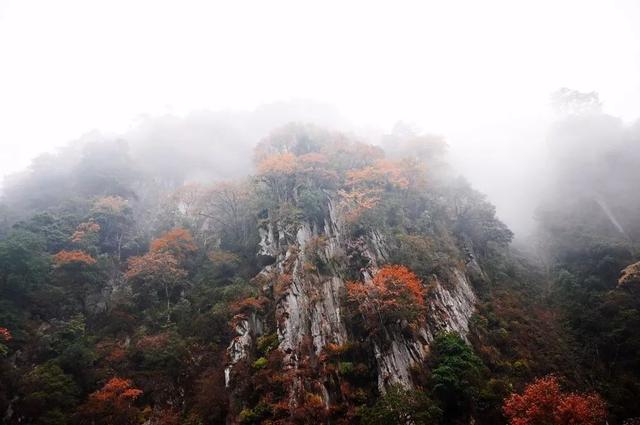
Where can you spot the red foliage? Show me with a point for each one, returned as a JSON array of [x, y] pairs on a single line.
[[5, 334], [249, 305], [113, 403], [117, 391], [75, 257], [394, 291], [543, 402]]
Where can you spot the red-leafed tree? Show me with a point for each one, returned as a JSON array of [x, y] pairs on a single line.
[[5, 336], [544, 403], [113, 404], [394, 293]]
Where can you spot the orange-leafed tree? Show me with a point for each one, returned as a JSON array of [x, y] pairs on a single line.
[[86, 232], [544, 403], [76, 271], [278, 173], [113, 404], [177, 242], [366, 186], [161, 270], [394, 293], [380, 174], [630, 276], [73, 258], [155, 273]]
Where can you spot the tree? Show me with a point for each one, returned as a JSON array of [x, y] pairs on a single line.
[[86, 233], [365, 186], [403, 407], [394, 293], [76, 272], [162, 267], [573, 102], [75, 258], [544, 403], [630, 275], [47, 395], [113, 404], [177, 242], [153, 271], [115, 218], [5, 336], [456, 374]]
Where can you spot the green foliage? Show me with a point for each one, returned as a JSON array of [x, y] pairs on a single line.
[[260, 363], [266, 343], [255, 415], [48, 395], [403, 407], [456, 374]]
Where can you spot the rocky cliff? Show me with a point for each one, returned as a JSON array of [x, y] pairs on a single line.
[[308, 304]]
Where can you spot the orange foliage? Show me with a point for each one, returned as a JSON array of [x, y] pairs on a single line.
[[543, 402], [155, 266], [117, 390], [279, 163], [64, 258], [5, 334], [249, 305], [393, 291], [367, 184], [110, 204], [113, 403], [85, 230], [357, 201], [630, 275], [381, 173], [176, 241]]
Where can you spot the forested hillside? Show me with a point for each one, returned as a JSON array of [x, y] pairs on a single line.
[[339, 282]]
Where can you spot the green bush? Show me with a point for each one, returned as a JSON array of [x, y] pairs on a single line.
[[260, 363]]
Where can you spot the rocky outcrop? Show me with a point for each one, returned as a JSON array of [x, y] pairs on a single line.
[[308, 308], [247, 328], [450, 308]]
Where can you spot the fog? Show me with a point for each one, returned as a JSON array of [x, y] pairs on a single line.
[[188, 88]]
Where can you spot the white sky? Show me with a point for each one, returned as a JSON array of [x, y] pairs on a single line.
[[460, 68]]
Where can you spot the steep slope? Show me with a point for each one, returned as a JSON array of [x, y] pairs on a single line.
[[305, 301]]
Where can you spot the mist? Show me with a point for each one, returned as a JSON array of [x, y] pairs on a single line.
[[574, 147], [294, 212]]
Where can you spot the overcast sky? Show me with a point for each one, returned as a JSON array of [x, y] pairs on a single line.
[[477, 72]]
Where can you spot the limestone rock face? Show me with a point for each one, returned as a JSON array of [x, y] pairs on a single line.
[[308, 311]]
